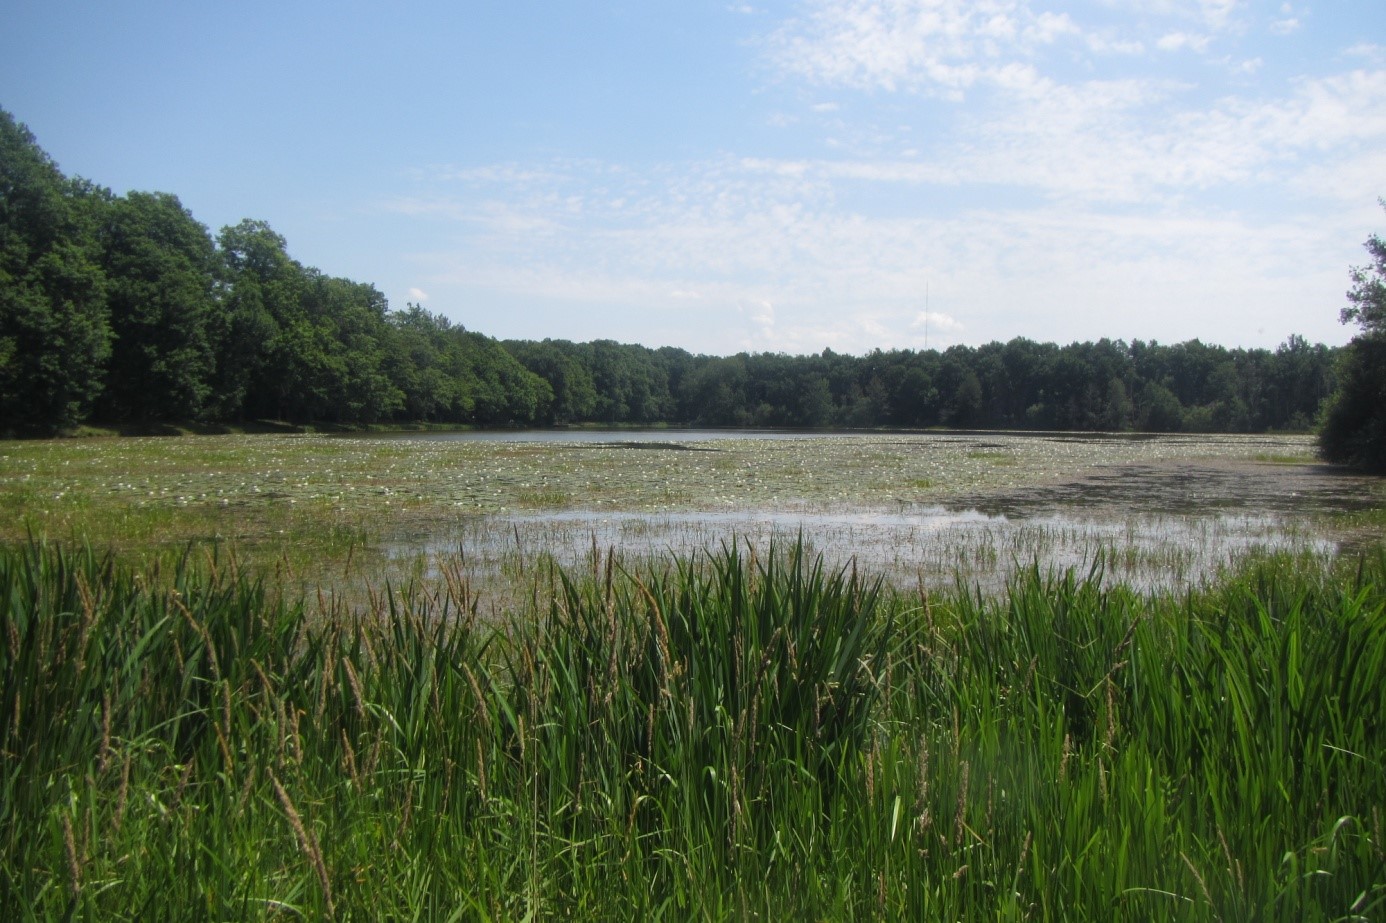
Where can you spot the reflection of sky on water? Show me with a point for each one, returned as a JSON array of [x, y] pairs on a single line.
[[1165, 512], [906, 546], [615, 437], [929, 518], [677, 436]]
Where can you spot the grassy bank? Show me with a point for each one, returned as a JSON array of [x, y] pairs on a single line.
[[719, 737]]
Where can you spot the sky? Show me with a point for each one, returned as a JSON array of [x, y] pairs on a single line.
[[786, 176]]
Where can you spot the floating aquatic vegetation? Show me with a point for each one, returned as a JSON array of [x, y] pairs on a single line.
[[317, 500]]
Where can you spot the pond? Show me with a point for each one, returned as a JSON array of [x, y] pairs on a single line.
[[932, 546], [1152, 512], [597, 435], [1159, 511]]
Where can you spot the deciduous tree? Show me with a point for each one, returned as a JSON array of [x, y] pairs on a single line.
[[161, 267], [1353, 431], [54, 331]]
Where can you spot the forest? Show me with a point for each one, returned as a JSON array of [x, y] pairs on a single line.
[[126, 310]]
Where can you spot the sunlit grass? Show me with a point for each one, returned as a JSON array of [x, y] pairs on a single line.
[[1297, 458], [995, 458], [746, 734]]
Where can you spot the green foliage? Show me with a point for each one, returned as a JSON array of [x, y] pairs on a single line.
[[1353, 428], [1367, 297], [716, 391], [124, 309], [54, 330], [574, 394], [1104, 386], [300, 345], [631, 383], [449, 374], [1159, 410], [714, 738], [161, 267]]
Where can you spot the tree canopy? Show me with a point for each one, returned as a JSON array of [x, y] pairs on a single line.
[[121, 309], [1354, 422], [55, 334], [127, 309]]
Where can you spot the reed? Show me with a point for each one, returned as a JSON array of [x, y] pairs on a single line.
[[735, 735]]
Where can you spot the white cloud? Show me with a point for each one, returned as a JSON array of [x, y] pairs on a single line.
[[1049, 27], [1144, 141], [1218, 14], [496, 173], [1179, 41], [504, 216], [418, 295], [1140, 201], [1323, 113], [1352, 180], [1285, 26], [777, 262], [775, 241], [1106, 43], [937, 46], [762, 317], [936, 321], [1368, 50], [946, 48]]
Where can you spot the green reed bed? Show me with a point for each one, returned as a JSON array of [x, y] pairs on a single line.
[[731, 736]]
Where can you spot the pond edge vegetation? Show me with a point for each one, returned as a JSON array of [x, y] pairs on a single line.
[[732, 735]]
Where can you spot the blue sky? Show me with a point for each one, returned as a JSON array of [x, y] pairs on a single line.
[[764, 176]]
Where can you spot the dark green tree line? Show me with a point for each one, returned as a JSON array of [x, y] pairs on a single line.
[[125, 309], [1104, 386]]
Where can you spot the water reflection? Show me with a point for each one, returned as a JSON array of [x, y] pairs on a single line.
[[635, 437], [933, 545], [1157, 513]]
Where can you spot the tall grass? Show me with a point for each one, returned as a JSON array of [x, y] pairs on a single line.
[[733, 736]]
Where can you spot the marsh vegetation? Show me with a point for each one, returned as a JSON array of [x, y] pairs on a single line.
[[914, 507], [737, 736], [882, 676]]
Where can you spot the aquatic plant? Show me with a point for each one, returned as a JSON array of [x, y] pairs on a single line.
[[726, 736]]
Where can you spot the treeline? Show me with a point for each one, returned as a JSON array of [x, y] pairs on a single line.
[[1108, 385], [126, 309]]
